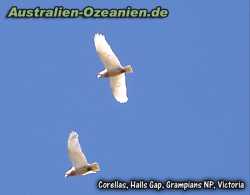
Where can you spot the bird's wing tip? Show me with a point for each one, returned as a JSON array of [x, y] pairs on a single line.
[[123, 101], [73, 133], [99, 35]]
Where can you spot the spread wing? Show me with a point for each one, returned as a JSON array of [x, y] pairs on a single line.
[[76, 155], [118, 86], [105, 52]]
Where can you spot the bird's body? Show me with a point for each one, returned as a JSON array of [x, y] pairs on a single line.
[[85, 170], [115, 72], [78, 159], [113, 69]]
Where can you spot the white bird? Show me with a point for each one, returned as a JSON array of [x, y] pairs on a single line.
[[78, 159], [113, 69]]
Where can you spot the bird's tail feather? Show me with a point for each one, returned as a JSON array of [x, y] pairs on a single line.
[[128, 69], [95, 167]]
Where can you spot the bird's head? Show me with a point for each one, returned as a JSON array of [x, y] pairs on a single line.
[[99, 76], [70, 172]]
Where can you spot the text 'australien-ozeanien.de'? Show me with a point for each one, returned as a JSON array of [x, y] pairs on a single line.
[[86, 12]]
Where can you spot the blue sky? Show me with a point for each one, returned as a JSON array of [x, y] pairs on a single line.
[[188, 109]]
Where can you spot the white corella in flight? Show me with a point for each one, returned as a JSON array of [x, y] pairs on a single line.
[[113, 69], [78, 159]]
